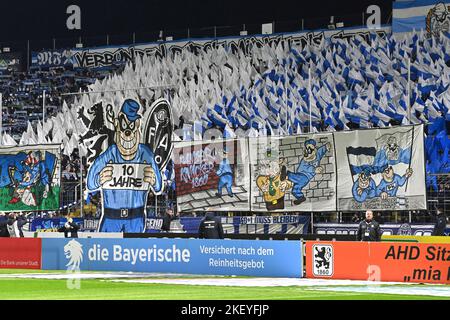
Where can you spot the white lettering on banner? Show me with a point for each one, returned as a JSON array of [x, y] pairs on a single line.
[[98, 254], [200, 165], [236, 263], [99, 57], [127, 176], [153, 254], [270, 220], [222, 250]]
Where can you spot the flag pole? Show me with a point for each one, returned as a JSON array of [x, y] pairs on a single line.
[[310, 99], [43, 107], [81, 183], [409, 91]]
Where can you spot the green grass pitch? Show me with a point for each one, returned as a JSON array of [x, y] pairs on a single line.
[[43, 289]]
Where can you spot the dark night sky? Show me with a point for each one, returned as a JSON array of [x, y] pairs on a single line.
[[47, 18]]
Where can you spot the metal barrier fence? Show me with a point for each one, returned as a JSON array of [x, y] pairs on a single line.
[[71, 200]]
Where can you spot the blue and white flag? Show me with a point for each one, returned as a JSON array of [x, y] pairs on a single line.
[[433, 16], [361, 159]]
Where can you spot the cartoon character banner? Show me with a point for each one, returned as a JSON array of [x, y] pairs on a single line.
[[127, 151], [296, 173], [430, 16], [30, 178], [212, 176], [381, 169]]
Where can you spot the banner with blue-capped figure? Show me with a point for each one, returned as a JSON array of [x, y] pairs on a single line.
[[30, 178], [293, 174], [128, 145], [429, 16], [381, 169], [203, 257]]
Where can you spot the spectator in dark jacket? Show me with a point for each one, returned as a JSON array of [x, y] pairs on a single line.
[[167, 219], [21, 221], [70, 227], [210, 228], [369, 229], [441, 222], [15, 224]]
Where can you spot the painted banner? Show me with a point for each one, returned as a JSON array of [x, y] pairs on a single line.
[[17, 253], [10, 62], [127, 152], [431, 16], [101, 57], [381, 169], [213, 257], [212, 176], [413, 229], [378, 169], [296, 173], [30, 178], [52, 58], [285, 224], [52, 225], [372, 261]]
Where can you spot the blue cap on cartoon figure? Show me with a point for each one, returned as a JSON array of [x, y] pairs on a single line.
[[367, 172], [310, 141], [130, 108]]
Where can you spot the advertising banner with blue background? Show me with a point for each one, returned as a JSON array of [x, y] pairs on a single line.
[[205, 257], [431, 16]]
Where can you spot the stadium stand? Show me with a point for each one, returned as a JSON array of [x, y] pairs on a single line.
[[355, 83]]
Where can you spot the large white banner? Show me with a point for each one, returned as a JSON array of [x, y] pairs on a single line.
[[212, 175], [378, 169], [112, 55], [381, 169]]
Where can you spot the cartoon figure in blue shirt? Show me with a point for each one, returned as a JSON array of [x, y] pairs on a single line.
[[307, 169], [392, 154], [364, 188], [124, 209], [225, 174], [31, 173], [391, 181]]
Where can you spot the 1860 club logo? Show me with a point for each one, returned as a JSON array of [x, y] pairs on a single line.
[[323, 260]]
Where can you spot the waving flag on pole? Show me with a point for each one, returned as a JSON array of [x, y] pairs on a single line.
[[394, 149]]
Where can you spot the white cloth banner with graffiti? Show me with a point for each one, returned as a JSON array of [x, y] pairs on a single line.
[[212, 175], [295, 173], [381, 169]]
